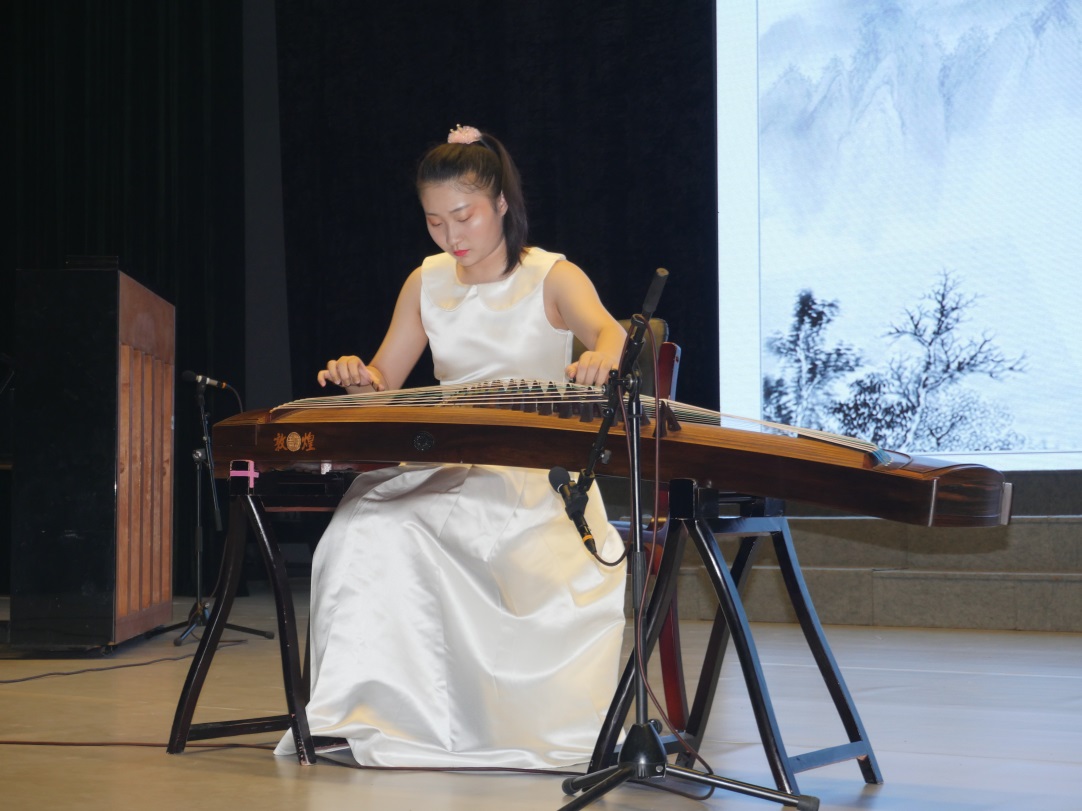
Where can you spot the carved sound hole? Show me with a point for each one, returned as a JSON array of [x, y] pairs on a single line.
[[424, 441]]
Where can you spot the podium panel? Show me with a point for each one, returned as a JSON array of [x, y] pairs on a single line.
[[92, 519]]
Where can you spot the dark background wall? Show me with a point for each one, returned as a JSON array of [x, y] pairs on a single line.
[[149, 131]]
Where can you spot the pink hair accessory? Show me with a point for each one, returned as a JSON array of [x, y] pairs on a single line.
[[464, 135]]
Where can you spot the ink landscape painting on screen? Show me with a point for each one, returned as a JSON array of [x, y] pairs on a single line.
[[920, 168]]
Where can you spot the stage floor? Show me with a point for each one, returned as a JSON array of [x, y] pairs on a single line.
[[958, 720]]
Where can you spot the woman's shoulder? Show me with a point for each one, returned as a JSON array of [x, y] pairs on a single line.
[[563, 271], [437, 276], [437, 261], [540, 258]]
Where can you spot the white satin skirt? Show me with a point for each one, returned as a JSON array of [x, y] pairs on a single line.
[[458, 620]]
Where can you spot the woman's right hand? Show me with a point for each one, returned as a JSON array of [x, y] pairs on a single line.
[[349, 371]]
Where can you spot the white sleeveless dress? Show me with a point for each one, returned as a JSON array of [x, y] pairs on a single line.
[[457, 619]]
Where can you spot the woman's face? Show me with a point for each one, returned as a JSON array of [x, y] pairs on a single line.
[[468, 224]]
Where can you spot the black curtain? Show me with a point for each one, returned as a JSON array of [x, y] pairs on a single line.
[[608, 107], [124, 139]]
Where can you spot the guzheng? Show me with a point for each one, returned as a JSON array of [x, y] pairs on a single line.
[[541, 425]]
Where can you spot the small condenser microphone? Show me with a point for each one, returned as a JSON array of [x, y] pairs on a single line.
[[191, 377], [574, 505]]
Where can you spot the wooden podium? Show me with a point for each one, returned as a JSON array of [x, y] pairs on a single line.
[[91, 561]]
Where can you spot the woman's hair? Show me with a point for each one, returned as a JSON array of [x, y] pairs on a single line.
[[484, 165]]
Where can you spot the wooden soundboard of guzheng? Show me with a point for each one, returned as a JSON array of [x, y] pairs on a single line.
[[887, 484]]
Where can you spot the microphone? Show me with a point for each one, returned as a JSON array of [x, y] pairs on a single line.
[[191, 377], [574, 505], [653, 293]]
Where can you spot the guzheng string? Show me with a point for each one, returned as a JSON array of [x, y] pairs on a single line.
[[517, 393]]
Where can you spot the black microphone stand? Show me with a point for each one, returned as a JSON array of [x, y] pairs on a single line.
[[204, 459], [643, 757]]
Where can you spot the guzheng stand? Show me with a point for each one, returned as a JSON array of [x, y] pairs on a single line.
[[304, 493], [694, 513]]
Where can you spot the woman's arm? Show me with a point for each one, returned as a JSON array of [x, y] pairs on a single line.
[[571, 302], [398, 354]]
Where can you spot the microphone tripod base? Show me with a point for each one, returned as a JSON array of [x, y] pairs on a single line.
[[643, 760], [198, 617], [642, 757]]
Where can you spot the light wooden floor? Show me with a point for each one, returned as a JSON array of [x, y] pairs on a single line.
[[958, 719]]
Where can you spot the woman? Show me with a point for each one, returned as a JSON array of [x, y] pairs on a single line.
[[457, 619]]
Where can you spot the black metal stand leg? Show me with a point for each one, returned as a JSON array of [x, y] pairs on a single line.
[[296, 685], [859, 747], [802, 802], [595, 785], [246, 506], [683, 500], [232, 560], [197, 617], [716, 646]]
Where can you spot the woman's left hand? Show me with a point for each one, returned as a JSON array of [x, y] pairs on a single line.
[[591, 369]]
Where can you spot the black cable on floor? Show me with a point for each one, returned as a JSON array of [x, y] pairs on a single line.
[[141, 744], [115, 667]]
